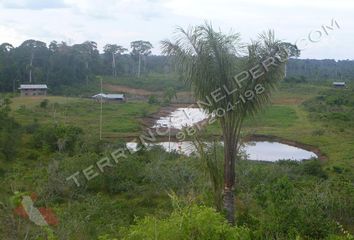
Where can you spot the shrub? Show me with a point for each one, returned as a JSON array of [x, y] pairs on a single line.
[[338, 169], [32, 127], [314, 168], [9, 132], [194, 222], [124, 178], [153, 99], [57, 137], [290, 212], [44, 103]]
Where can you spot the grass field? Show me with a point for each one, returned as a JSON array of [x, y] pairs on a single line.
[[119, 119], [287, 118], [139, 186]]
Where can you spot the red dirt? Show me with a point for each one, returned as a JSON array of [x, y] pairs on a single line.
[[128, 90]]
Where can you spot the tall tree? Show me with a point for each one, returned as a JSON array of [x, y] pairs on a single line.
[[34, 48], [7, 70], [113, 50], [53, 47], [292, 50], [89, 54], [139, 49], [6, 48], [220, 77]]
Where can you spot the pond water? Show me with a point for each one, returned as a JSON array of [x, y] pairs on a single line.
[[274, 151], [259, 151], [181, 117]]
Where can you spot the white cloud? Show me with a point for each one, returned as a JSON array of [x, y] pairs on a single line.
[[123, 21], [116, 9], [32, 4]]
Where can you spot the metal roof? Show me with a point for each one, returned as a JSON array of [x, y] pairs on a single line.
[[109, 96], [338, 83], [33, 86]]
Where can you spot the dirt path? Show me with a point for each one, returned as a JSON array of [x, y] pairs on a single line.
[[129, 90]]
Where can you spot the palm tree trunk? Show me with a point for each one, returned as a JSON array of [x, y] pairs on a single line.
[[229, 176]]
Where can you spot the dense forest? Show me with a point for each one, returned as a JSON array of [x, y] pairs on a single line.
[[62, 65], [321, 70]]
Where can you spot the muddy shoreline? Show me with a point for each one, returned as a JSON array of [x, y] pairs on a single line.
[[148, 122]]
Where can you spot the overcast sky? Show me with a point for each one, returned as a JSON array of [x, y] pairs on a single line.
[[123, 21]]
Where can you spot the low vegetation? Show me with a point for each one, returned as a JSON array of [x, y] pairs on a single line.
[[153, 194], [151, 191]]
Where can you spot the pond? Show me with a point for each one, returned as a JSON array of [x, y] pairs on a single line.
[[181, 117], [258, 151]]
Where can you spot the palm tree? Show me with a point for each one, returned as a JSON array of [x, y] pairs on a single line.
[[217, 67]]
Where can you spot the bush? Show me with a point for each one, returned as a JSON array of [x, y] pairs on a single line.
[[314, 168], [44, 103], [290, 212], [10, 132], [32, 127], [57, 138], [153, 99], [124, 178], [194, 222]]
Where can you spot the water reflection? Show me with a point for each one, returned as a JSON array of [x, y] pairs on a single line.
[[259, 151], [181, 117]]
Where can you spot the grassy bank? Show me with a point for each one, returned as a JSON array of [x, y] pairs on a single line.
[[119, 119], [287, 118]]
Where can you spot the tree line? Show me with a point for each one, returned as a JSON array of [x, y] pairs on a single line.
[[60, 64], [320, 70]]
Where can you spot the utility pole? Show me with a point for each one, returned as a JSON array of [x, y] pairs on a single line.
[[169, 136]]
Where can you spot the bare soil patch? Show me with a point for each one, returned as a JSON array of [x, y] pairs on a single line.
[[129, 90]]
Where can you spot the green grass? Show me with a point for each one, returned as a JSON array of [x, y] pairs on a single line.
[[288, 119], [89, 215], [119, 119], [337, 145], [274, 116]]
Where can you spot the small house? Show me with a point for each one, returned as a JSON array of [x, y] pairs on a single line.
[[339, 84], [33, 89], [109, 97]]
